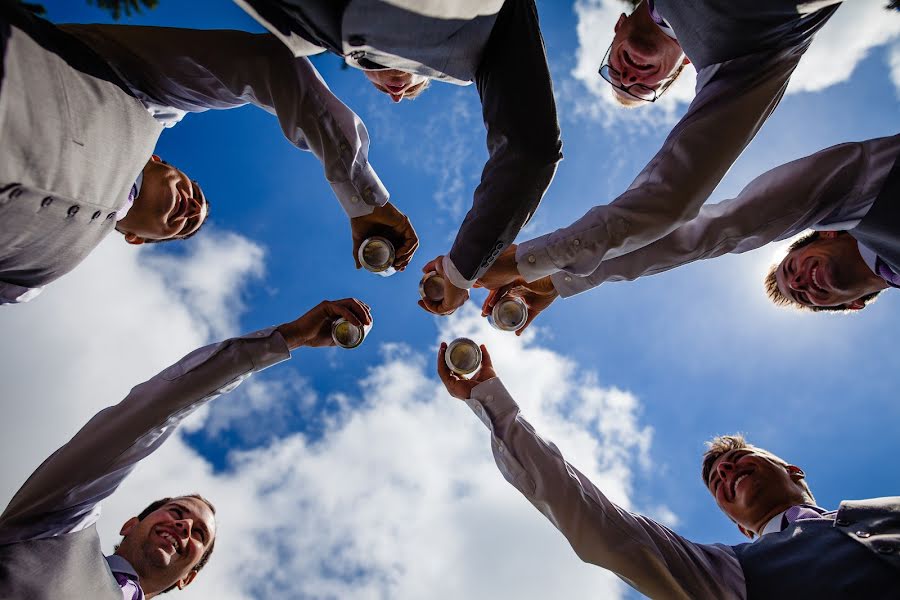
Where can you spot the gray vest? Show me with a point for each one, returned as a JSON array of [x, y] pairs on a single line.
[[74, 141], [57, 568], [443, 41], [715, 31], [854, 557], [879, 230]]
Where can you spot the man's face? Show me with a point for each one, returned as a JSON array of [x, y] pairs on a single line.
[[169, 205], [826, 272], [394, 83], [168, 543], [641, 52], [748, 486]]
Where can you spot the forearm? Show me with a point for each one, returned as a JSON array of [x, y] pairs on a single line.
[[650, 557], [733, 102], [94, 462], [198, 70], [523, 139]]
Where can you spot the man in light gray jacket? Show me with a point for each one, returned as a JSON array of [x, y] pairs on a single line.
[[803, 551], [49, 547]]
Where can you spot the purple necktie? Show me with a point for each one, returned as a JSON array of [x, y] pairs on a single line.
[[887, 273], [130, 589], [796, 513]]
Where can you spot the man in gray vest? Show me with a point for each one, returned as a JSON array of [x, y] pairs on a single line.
[[803, 550], [846, 193], [81, 109], [745, 52], [496, 44], [49, 547]]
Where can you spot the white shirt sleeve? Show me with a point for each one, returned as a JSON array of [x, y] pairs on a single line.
[[64, 494], [174, 71], [824, 190], [733, 100], [648, 556]]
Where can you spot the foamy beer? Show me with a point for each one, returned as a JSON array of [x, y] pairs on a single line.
[[463, 356], [376, 254], [347, 335], [509, 314], [432, 287]]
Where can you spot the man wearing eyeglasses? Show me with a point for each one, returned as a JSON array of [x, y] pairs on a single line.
[[745, 52]]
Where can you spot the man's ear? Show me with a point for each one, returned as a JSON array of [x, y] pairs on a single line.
[[621, 20], [856, 305], [128, 526], [186, 581], [795, 472], [155, 158], [829, 235], [133, 239], [749, 534]]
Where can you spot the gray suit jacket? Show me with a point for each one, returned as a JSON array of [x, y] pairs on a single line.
[[879, 230], [49, 549], [74, 141]]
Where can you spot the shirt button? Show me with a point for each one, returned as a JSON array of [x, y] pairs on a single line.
[[567, 278], [344, 147], [354, 199], [863, 534], [356, 40], [576, 242], [488, 398], [531, 259]]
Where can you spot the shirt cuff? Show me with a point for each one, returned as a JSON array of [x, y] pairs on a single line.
[[362, 194], [17, 294], [490, 402], [568, 285], [533, 260], [272, 350], [455, 276]]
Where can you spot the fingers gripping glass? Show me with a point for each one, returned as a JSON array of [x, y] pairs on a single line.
[[635, 90]]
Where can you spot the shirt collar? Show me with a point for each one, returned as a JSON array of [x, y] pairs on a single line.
[[129, 202], [869, 257], [774, 524], [117, 564]]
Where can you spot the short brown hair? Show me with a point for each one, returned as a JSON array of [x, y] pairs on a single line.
[[779, 299], [723, 444], [157, 504]]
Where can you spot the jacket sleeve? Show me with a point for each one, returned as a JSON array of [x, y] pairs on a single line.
[[174, 71], [646, 555], [64, 493], [778, 204], [733, 101], [523, 141]]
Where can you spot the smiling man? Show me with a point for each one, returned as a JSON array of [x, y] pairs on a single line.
[[745, 52], [803, 552], [847, 193], [49, 546]]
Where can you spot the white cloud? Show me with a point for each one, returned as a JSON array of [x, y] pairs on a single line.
[[400, 491], [856, 29], [894, 61]]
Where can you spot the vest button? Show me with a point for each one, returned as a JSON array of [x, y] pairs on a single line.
[[73, 210], [46, 202], [841, 522], [110, 216], [95, 215], [356, 40], [863, 534], [884, 549]]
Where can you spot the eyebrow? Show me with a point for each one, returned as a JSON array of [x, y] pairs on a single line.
[[197, 520]]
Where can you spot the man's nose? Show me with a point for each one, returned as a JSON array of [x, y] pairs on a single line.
[[195, 207], [798, 281], [184, 527], [724, 468], [628, 75]]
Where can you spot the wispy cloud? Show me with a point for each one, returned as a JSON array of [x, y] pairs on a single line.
[[398, 492]]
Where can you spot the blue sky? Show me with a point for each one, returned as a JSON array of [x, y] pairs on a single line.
[[635, 376]]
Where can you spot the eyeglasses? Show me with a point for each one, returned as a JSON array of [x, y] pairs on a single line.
[[638, 91]]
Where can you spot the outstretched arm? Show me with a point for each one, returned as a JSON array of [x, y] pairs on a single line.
[[734, 100], [195, 70], [648, 556], [63, 495]]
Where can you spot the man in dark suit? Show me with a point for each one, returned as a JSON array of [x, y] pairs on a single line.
[[803, 550], [495, 44], [49, 547]]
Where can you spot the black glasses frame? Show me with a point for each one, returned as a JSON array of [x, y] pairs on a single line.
[[608, 72]]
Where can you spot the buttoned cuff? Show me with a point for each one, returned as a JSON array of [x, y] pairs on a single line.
[[568, 285], [533, 260], [17, 294], [360, 196], [490, 402], [455, 277]]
